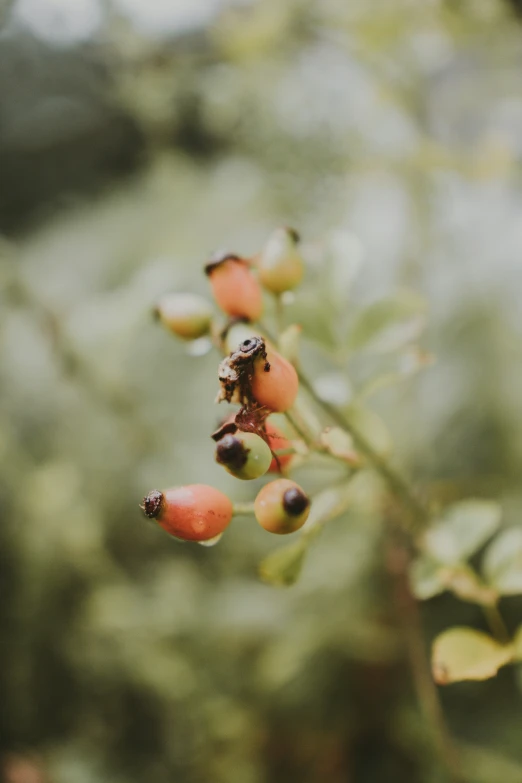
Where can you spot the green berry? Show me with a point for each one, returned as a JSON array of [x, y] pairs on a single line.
[[279, 263], [244, 455], [188, 316]]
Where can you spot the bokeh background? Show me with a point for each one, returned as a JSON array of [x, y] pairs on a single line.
[[136, 137]]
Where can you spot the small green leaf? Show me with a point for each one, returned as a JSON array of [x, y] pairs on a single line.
[[465, 654], [426, 578], [283, 567], [389, 324], [466, 585], [429, 578], [462, 530], [502, 565], [371, 427]]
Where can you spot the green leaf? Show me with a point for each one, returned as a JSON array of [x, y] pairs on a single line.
[[502, 564], [283, 567], [462, 530], [389, 324], [371, 427], [426, 578], [465, 654], [429, 578]]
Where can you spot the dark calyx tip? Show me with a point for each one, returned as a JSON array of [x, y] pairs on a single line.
[[218, 259], [152, 504], [296, 236], [295, 502], [252, 346], [231, 452]]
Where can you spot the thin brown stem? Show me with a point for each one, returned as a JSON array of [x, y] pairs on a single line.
[[496, 622], [425, 688]]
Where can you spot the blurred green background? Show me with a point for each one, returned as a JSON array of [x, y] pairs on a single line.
[[136, 137]]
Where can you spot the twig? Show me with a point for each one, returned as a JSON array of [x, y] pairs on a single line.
[[425, 688], [496, 622], [418, 514]]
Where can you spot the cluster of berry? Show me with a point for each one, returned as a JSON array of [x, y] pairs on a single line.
[[253, 375]]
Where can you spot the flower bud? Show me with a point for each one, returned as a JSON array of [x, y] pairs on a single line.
[[235, 289], [282, 507], [279, 263], [244, 454], [195, 512], [187, 315]]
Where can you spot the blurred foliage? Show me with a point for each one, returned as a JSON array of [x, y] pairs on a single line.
[[130, 148]]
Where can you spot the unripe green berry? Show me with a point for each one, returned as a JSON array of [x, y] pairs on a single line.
[[244, 455], [279, 263], [186, 315], [282, 507]]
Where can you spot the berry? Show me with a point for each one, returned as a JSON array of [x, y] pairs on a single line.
[[256, 377], [234, 286], [277, 442], [244, 454], [195, 512], [282, 507], [279, 263], [276, 387], [187, 315]]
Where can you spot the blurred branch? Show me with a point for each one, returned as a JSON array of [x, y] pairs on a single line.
[[425, 688], [72, 364]]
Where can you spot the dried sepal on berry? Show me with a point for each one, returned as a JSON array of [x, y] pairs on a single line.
[[188, 316], [282, 507], [234, 286], [244, 455], [279, 263], [236, 371], [236, 332], [195, 512]]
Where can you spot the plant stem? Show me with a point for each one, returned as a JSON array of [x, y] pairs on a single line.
[[425, 688], [418, 514], [279, 313], [243, 509], [496, 622]]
